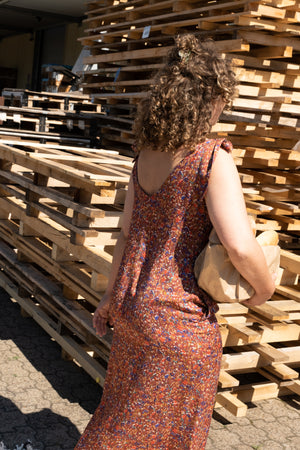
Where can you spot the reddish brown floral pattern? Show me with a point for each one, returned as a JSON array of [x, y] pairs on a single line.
[[165, 358]]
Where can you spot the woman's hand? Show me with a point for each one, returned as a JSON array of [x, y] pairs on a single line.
[[260, 299], [101, 315], [256, 300]]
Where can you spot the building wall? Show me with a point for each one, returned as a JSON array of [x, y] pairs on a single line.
[[17, 52], [72, 46]]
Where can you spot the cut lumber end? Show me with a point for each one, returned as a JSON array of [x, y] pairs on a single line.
[[231, 403]]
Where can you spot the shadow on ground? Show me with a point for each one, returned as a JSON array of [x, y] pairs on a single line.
[[70, 381], [44, 426]]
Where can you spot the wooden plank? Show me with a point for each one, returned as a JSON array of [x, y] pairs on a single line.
[[248, 61], [72, 275], [269, 40], [248, 360], [232, 308], [295, 387], [290, 261], [289, 332], [270, 52], [231, 403], [232, 45], [255, 392], [269, 25], [281, 3], [270, 353], [262, 154], [248, 104], [259, 9], [287, 305], [282, 371], [290, 292], [37, 278], [111, 15], [270, 312], [244, 333], [49, 136], [226, 380], [283, 208], [95, 257], [267, 77], [271, 324]]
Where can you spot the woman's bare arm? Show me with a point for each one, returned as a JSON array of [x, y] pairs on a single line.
[[101, 315], [227, 211], [121, 242]]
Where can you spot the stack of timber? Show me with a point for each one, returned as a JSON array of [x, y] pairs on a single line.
[[57, 78], [60, 216], [68, 118], [128, 42], [71, 101], [60, 210]]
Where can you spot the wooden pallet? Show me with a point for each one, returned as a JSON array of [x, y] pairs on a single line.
[[262, 341], [69, 118], [72, 101], [72, 346], [128, 41], [57, 124], [56, 249], [252, 369], [22, 135]]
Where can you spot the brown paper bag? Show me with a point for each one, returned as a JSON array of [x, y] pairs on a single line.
[[220, 279]]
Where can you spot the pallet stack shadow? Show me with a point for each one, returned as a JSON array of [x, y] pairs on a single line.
[[128, 41], [60, 215], [68, 118]]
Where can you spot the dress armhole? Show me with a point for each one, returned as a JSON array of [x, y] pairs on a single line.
[[209, 157]]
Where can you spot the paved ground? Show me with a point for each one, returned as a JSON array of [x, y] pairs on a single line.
[[49, 401]]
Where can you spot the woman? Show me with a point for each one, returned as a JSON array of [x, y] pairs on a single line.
[[165, 358]]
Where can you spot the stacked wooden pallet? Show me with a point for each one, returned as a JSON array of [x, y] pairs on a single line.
[[129, 40], [261, 345], [60, 207], [71, 101], [60, 215], [68, 118]]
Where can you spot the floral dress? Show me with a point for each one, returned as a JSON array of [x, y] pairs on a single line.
[[165, 358]]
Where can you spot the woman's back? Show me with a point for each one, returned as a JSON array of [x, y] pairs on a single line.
[[169, 227], [155, 166]]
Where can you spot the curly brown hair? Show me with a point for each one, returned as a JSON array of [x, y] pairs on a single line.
[[178, 108]]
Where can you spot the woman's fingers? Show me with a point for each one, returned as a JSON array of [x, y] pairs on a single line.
[[101, 330], [100, 320], [100, 326], [255, 301], [102, 316], [251, 302]]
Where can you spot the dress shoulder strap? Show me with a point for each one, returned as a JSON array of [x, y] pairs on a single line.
[[209, 150]]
